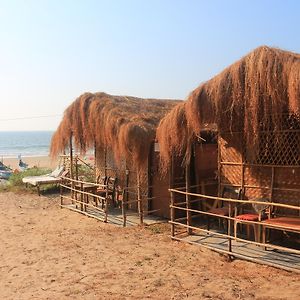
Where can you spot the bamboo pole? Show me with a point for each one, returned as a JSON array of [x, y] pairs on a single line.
[[76, 167], [172, 215], [127, 187], [140, 204], [123, 208], [95, 160], [61, 194], [172, 202], [106, 206], [71, 164], [105, 162], [259, 165], [187, 196], [229, 231], [71, 158], [81, 196]]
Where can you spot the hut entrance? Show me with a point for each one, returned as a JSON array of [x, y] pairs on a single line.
[[159, 200], [206, 167]]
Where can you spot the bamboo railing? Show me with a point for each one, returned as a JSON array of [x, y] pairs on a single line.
[[191, 213], [78, 193]]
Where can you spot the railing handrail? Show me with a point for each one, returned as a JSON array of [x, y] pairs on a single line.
[[244, 201]]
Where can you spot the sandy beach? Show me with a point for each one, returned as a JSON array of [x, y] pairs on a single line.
[[52, 253], [38, 161]]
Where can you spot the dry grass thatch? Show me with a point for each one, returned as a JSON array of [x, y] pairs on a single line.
[[171, 133], [249, 96], [126, 125]]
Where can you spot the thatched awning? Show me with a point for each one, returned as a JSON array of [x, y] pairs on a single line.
[[126, 125], [249, 96]]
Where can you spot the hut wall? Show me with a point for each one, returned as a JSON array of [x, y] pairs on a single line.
[[272, 173]]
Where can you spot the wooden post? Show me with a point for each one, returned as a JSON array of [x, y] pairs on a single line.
[[105, 163], [123, 208], [106, 206], [71, 170], [61, 194], [188, 197], [81, 197], [127, 186], [172, 202], [71, 158], [95, 161], [172, 215], [76, 167], [140, 203], [219, 167], [229, 230]]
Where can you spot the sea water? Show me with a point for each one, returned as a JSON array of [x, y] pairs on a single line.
[[24, 143]]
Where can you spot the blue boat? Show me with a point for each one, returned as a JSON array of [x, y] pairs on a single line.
[[5, 172]]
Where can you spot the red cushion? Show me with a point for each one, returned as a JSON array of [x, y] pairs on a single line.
[[248, 217], [288, 222]]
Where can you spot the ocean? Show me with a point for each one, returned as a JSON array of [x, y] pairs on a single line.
[[24, 143]]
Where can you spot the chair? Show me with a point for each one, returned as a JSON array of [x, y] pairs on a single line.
[[223, 211], [102, 181], [109, 191], [256, 213]]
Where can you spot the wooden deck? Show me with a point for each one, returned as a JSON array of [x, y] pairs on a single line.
[[115, 216], [280, 259]]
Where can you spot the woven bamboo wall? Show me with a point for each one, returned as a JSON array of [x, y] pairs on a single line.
[[272, 173]]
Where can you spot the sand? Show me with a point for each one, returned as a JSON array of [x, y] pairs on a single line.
[[52, 253], [38, 161]]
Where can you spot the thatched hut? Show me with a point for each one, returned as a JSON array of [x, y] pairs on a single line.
[[122, 132], [254, 104]]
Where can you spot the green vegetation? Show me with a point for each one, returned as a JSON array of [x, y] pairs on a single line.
[[86, 173]]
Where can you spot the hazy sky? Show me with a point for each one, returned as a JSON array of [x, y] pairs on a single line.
[[52, 51]]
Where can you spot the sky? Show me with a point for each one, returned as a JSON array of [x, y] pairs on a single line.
[[53, 51]]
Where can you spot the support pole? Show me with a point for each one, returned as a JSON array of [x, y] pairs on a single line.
[[61, 194], [123, 208], [229, 230], [127, 186], [76, 167], [172, 215], [188, 197], [106, 206], [172, 202], [71, 159], [140, 203], [81, 197], [95, 160]]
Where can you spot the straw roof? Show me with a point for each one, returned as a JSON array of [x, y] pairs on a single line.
[[126, 125], [249, 96]]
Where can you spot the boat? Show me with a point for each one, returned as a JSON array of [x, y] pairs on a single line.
[[22, 165], [5, 172]]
